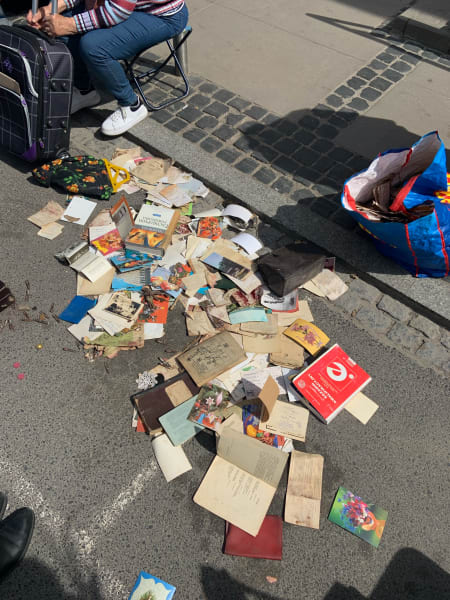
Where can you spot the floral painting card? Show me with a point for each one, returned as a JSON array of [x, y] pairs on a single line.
[[207, 409], [307, 335], [350, 512], [149, 587]]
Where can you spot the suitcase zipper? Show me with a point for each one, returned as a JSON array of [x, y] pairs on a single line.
[[27, 69], [23, 102]]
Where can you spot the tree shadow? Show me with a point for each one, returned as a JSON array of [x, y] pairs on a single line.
[[220, 585], [410, 575]]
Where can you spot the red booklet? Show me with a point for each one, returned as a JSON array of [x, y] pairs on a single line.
[[329, 382], [267, 544]]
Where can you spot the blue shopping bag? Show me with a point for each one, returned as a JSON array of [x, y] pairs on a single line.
[[421, 246]]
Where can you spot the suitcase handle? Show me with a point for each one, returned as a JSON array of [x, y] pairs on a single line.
[[35, 6], [37, 32]]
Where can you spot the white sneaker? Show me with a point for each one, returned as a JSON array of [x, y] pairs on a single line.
[[80, 100], [123, 119]]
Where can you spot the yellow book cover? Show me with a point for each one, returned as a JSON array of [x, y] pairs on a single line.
[[307, 335]]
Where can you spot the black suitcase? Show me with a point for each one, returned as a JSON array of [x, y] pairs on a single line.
[[36, 75]]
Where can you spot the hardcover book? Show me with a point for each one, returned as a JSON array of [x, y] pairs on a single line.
[[152, 230], [267, 544], [367, 521], [329, 382]]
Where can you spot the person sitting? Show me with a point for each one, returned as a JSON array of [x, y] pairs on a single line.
[[99, 35], [16, 531]]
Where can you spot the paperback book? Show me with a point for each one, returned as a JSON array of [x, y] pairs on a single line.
[[152, 230]]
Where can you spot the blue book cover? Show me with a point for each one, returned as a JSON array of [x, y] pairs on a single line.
[[149, 587], [77, 309], [130, 261]]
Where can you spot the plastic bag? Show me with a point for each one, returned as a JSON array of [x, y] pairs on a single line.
[[417, 180]]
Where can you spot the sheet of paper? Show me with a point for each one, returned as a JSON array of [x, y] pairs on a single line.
[[247, 284], [99, 230], [209, 212], [248, 242], [51, 231], [313, 288], [196, 247], [178, 427], [79, 210], [86, 328], [361, 407], [193, 283], [51, 212], [234, 495], [330, 284], [288, 420], [96, 268], [218, 312], [175, 195], [217, 296], [238, 212], [172, 460], [304, 490], [285, 303], [254, 380], [260, 460], [122, 156], [264, 344], [198, 323], [269, 327], [153, 331], [290, 355], [178, 392], [304, 312], [102, 285], [151, 171]]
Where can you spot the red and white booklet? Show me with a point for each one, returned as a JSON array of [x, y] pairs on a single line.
[[329, 382]]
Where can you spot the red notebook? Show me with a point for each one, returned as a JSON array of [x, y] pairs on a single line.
[[329, 382], [267, 544]]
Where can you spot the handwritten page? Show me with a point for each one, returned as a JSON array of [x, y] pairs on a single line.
[[304, 490]]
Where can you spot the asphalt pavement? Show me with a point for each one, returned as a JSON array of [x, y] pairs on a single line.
[[104, 510]]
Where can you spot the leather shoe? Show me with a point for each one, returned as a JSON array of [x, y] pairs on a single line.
[[3, 504], [15, 536]]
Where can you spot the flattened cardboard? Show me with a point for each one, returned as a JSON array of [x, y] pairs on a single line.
[[304, 490]]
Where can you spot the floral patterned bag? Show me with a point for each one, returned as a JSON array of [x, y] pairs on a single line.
[[84, 175]]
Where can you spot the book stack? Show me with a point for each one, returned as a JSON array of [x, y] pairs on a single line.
[[152, 230]]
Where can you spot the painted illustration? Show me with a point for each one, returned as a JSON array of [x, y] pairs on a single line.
[[224, 265], [148, 587], [250, 421], [209, 227], [144, 238], [208, 408], [307, 335], [350, 512]]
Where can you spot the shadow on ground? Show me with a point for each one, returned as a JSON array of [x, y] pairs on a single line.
[[409, 576]]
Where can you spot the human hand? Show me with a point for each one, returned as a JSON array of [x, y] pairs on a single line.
[[35, 20], [57, 25]]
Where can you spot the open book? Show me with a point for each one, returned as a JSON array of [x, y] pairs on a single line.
[[242, 480]]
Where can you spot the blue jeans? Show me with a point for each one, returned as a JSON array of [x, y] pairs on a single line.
[[97, 53]]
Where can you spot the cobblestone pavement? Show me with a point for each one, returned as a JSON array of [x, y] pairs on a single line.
[[296, 155]]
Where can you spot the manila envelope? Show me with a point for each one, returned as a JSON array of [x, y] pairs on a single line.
[[282, 418], [304, 490]]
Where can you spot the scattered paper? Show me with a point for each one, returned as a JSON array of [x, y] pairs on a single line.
[[51, 231], [240, 216], [330, 284], [172, 460], [304, 490], [79, 210], [248, 242], [361, 407], [51, 212], [244, 315]]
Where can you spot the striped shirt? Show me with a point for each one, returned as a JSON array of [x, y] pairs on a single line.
[[107, 13]]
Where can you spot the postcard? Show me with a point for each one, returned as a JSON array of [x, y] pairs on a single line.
[[176, 424], [149, 587], [225, 265], [307, 335], [205, 409], [367, 521], [123, 306], [209, 227], [108, 242], [361, 407]]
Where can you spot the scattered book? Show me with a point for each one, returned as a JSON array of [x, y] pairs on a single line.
[[149, 587], [131, 261], [77, 309], [108, 242], [212, 357], [330, 382], [152, 230], [122, 217], [367, 521], [304, 490], [307, 335], [267, 544]]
